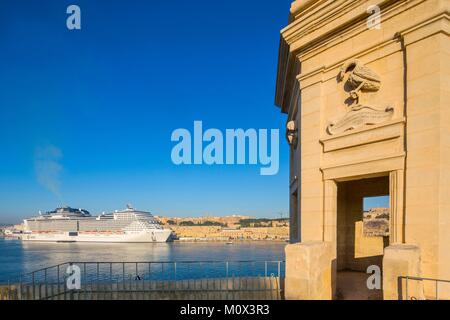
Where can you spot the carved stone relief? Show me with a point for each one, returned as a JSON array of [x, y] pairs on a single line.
[[360, 79], [291, 133]]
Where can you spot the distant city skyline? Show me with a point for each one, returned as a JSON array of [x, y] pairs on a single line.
[[285, 215]]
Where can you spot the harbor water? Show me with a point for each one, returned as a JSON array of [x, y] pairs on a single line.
[[17, 257]]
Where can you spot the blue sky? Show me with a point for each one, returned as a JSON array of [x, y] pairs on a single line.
[[375, 202], [86, 116]]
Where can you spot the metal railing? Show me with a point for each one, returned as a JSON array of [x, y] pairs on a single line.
[[150, 279], [438, 283]]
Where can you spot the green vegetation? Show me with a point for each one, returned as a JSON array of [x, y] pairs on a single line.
[[202, 224], [212, 223], [263, 222], [187, 223]]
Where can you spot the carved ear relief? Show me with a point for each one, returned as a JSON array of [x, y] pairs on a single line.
[[361, 79]]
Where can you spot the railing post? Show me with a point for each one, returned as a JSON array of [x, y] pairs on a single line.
[[150, 271], [110, 279], [45, 283], [51, 288], [57, 279], [437, 292], [265, 269], [20, 288], [32, 277], [406, 288], [226, 263], [175, 270]]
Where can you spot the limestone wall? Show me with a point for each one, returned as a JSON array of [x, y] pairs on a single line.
[[428, 161], [409, 53]]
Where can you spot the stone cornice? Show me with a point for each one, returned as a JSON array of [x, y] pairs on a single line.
[[357, 28], [440, 24], [376, 165], [311, 16], [301, 5], [310, 32], [326, 72], [330, 17], [388, 130]]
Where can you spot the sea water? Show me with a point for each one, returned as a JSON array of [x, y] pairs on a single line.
[[17, 257]]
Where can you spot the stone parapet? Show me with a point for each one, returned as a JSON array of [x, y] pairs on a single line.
[[401, 260], [308, 271]]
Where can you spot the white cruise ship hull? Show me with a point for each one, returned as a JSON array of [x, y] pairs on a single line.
[[158, 235]]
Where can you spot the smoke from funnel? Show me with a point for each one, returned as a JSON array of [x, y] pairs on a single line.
[[48, 168]]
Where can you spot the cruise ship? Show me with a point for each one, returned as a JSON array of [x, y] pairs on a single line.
[[67, 224]]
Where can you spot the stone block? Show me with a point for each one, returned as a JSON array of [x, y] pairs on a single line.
[[401, 260], [308, 271]]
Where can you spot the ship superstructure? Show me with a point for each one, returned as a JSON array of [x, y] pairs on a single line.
[[67, 224]]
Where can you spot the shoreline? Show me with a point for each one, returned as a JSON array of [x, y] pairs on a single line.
[[231, 241], [185, 240]]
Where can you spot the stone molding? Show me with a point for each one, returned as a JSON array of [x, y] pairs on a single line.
[[386, 131], [295, 46], [353, 169]]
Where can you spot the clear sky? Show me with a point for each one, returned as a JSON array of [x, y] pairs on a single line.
[[86, 116], [375, 202]]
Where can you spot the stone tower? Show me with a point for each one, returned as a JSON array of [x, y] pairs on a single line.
[[366, 87]]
